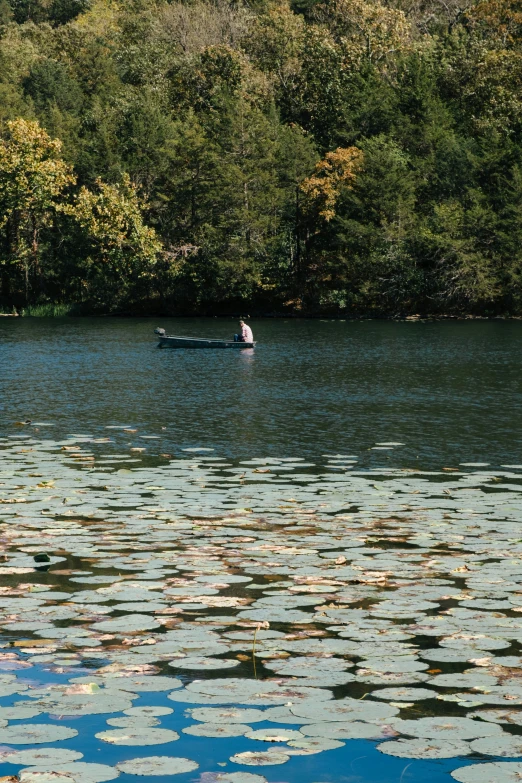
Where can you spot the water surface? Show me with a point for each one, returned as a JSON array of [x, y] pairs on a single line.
[[450, 391]]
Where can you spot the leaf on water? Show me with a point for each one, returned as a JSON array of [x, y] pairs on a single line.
[[157, 765], [149, 711], [133, 722], [508, 745], [495, 772], [404, 694], [344, 710], [143, 736], [18, 713], [76, 771], [446, 727], [42, 756], [260, 759], [223, 715], [274, 735], [35, 734], [204, 663], [217, 730], [500, 716], [239, 777], [349, 730], [315, 745], [425, 748]]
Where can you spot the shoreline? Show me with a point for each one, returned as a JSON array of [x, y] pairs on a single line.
[[280, 316]]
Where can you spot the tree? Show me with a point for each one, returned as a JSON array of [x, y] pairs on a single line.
[[122, 250], [33, 179], [335, 172]]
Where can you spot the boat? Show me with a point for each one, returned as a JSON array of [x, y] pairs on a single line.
[[166, 341]]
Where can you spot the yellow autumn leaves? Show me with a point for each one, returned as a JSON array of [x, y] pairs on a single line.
[[35, 185], [336, 171]]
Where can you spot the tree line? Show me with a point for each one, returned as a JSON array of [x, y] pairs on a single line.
[[361, 157]]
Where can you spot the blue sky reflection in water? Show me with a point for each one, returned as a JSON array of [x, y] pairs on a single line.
[[450, 391], [357, 762]]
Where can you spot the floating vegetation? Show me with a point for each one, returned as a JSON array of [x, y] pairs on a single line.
[[287, 611], [157, 765], [77, 771]]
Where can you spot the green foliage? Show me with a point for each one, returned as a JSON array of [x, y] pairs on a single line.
[[353, 156]]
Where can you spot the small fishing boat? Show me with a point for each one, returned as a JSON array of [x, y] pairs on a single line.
[[166, 341]]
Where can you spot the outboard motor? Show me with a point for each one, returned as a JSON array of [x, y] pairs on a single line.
[[160, 332]]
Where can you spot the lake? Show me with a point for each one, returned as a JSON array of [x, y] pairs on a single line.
[[298, 564], [450, 391]]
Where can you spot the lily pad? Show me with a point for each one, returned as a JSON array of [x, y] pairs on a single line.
[[77, 771], [495, 772], [404, 694], [274, 735], [35, 734], [446, 727], [42, 756], [157, 765], [148, 712], [144, 736], [260, 758], [239, 777], [500, 716], [131, 622], [508, 745], [315, 744], [224, 715], [133, 722], [217, 729], [344, 710], [204, 663], [338, 730], [18, 713], [425, 748]]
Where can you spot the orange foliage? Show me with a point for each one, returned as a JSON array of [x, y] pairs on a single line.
[[500, 19], [337, 170]]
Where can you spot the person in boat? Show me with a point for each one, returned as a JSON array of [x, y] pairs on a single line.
[[245, 335]]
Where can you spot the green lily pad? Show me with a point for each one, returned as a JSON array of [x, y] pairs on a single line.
[[224, 715], [315, 744], [425, 748], [274, 735], [499, 716], [204, 663], [495, 772], [217, 729], [260, 758], [143, 736], [133, 722], [337, 730], [450, 728], [344, 710], [404, 694], [18, 713], [131, 622], [157, 765], [239, 777], [508, 745], [42, 756], [77, 771], [148, 712], [35, 734]]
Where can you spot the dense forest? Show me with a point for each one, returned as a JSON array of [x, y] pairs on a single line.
[[361, 157]]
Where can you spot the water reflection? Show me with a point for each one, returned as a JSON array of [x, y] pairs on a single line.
[[449, 391]]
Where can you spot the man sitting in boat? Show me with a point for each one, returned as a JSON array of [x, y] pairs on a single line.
[[245, 335]]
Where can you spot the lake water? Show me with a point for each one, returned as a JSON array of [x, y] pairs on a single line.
[[450, 391], [355, 486]]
